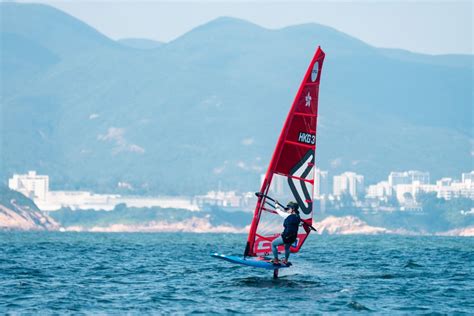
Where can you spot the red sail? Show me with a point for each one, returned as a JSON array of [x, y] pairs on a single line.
[[290, 174]]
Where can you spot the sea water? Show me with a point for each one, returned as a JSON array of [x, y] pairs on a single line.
[[173, 273]]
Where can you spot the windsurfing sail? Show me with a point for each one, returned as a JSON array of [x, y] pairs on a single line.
[[291, 170]]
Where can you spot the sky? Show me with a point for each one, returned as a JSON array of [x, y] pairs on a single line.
[[432, 27]]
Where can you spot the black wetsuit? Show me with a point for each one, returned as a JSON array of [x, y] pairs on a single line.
[[291, 225]]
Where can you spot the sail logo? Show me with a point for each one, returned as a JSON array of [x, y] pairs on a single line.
[[301, 188], [315, 71], [307, 138], [262, 246]]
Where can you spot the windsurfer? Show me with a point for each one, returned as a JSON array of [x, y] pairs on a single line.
[[290, 233]]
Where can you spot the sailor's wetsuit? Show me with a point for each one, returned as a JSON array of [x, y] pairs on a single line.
[[289, 235]]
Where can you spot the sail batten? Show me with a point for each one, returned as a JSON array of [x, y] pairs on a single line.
[[290, 174], [305, 114]]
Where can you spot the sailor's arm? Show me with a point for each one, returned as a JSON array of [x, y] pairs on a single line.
[[280, 212]]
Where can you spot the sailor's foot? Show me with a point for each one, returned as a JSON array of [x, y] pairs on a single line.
[[275, 261], [286, 262]]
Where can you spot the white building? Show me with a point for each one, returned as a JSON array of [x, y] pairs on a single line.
[[468, 185], [348, 182], [321, 183], [408, 177], [31, 185], [219, 198], [445, 188], [36, 187], [396, 178], [419, 176], [468, 177], [409, 183], [77, 200], [339, 185], [448, 188], [381, 190], [406, 193]]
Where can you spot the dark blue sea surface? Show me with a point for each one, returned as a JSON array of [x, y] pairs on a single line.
[[173, 273]]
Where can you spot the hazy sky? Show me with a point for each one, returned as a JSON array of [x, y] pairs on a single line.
[[434, 27]]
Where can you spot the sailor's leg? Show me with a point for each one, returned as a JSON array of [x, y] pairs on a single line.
[[287, 251], [277, 242]]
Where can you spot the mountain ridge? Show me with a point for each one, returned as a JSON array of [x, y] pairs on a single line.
[[152, 117], [140, 43], [54, 28]]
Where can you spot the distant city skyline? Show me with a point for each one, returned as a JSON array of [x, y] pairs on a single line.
[[431, 27], [404, 186]]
